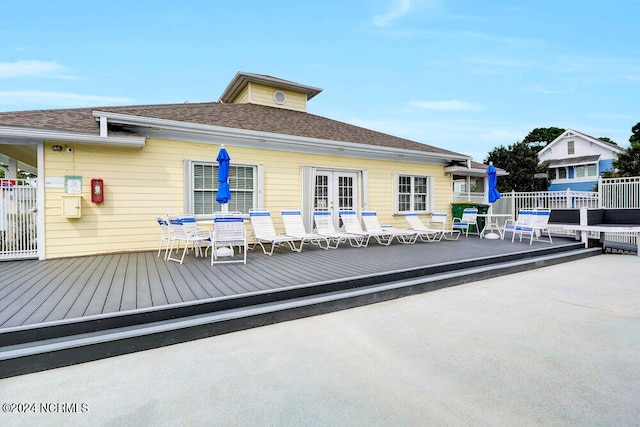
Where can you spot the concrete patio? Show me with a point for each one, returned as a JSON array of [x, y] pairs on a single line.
[[556, 346]]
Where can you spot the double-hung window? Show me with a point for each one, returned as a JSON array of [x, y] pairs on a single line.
[[202, 186], [413, 193]]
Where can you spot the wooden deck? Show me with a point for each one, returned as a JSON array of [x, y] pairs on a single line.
[[34, 292]]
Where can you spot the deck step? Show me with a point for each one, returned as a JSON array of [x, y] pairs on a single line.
[[47, 346]]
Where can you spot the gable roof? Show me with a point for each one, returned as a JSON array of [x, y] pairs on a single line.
[[241, 79], [243, 117], [570, 132]]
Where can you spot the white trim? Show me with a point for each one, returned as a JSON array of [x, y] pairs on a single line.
[[178, 130], [570, 133], [38, 135], [40, 227], [188, 184]]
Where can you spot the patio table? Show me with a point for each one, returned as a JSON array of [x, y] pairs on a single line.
[[491, 223]]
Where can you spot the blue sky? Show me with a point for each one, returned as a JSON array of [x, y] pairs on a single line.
[[463, 75]]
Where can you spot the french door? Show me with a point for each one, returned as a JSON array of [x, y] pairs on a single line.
[[335, 191]]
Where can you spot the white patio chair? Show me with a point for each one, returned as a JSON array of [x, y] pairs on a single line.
[[185, 230], [469, 219], [538, 224], [294, 226], [166, 236], [324, 226], [265, 233], [438, 221], [425, 234], [524, 218], [228, 233], [372, 225]]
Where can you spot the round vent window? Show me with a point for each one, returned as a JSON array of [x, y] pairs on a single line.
[[279, 97]]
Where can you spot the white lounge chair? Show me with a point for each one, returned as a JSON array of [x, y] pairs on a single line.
[[325, 227], [294, 226], [438, 221], [184, 229], [468, 220], [425, 233], [228, 233], [266, 234], [372, 225]]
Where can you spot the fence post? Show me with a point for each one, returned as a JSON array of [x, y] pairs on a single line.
[[569, 200], [513, 202], [600, 192]]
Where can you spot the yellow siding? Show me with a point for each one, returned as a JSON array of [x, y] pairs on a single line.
[[141, 183], [263, 95], [243, 96]]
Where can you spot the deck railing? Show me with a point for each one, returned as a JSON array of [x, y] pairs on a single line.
[[465, 196], [617, 193], [17, 219]]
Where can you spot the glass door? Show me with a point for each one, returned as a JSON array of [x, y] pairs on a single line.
[[335, 191]]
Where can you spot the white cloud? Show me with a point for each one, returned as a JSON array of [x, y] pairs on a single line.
[[27, 68], [451, 105], [398, 8], [57, 99]]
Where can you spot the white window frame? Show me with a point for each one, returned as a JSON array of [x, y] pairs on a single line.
[[189, 187], [566, 173], [396, 193]]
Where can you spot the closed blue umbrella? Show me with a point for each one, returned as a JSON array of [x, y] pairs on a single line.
[[224, 194], [493, 195], [493, 181]]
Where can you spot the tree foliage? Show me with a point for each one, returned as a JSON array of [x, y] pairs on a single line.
[[540, 137], [627, 163], [521, 161]]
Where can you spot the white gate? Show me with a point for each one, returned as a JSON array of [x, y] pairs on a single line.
[[17, 219]]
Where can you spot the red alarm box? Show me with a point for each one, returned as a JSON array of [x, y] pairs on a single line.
[[97, 190]]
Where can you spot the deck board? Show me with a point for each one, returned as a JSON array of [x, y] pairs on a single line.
[[34, 291]]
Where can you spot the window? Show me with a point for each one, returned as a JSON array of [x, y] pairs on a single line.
[[591, 170], [413, 193], [580, 171], [570, 147], [204, 186], [561, 173]]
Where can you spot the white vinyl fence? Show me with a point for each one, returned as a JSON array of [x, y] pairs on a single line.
[[619, 193], [17, 219]]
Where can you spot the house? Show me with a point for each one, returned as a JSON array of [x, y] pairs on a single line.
[[154, 159], [576, 160]]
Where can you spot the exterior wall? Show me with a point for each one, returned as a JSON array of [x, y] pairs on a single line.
[[243, 96], [141, 183], [263, 95], [582, 147], [574, 186]]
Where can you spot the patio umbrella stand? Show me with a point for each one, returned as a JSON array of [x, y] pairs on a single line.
[[494, 195], [224, 193]]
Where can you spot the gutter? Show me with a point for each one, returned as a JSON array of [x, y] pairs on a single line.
[[265, 139], [39, 135]]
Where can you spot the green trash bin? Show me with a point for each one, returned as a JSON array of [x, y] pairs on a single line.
[[458, 207]]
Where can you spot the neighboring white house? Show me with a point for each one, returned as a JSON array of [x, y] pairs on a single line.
[[576, 160]]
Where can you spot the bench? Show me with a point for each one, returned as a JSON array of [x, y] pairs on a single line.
[[605, 222]]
